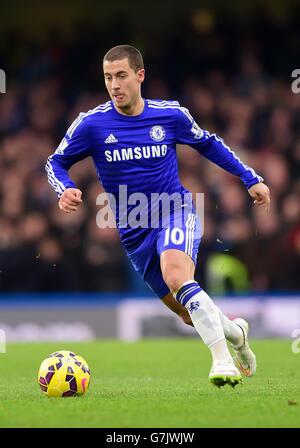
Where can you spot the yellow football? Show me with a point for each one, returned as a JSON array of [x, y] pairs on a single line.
[[64, 374]]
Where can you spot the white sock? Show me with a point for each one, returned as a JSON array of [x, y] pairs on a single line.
[[205, 317], [233, 333], [220, 352]]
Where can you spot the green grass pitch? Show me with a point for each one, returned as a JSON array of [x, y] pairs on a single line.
[[157, 383]]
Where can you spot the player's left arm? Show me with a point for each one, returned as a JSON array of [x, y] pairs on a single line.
[[215, 149]]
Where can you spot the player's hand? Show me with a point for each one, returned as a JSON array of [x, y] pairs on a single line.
[[70, 199], [261, 195]]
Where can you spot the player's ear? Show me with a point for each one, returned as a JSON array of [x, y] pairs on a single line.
[[141, 75]]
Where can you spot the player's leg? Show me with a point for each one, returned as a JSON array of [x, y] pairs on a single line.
[[177, 267], [177, 245], [236, 332], [178, 273]]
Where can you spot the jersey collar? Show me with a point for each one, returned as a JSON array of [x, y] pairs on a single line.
[[130, 117]]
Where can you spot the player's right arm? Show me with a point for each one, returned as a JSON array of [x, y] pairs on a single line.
[[73, 148]]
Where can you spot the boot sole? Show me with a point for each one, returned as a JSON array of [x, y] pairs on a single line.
[[222, 380]]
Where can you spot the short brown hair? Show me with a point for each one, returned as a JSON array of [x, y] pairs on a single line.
[[135, 59]]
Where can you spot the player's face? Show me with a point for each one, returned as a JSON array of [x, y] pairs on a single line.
[[123, 83]]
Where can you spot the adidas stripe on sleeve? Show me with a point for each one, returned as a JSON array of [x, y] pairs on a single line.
[[73, 148], [213, 148]]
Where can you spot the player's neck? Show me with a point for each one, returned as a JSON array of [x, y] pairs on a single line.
[[133, 109]]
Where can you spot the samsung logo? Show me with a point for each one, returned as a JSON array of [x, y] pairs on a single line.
[[143, 152]]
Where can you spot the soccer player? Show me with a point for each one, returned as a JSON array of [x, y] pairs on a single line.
[[132, 142]]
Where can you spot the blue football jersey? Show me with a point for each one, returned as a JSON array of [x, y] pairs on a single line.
[[138, 152]]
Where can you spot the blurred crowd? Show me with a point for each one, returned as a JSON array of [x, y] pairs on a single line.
[[255, 112]]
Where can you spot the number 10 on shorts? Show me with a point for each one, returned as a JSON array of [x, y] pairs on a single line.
[[176, 235], [185, 239]]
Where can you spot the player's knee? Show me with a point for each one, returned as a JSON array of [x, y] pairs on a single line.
[[177, 268], [173, 278]]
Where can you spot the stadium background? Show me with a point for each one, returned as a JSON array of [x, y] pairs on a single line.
[[231, 65]]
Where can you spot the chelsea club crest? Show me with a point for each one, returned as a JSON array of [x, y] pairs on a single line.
[[157, 133]]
